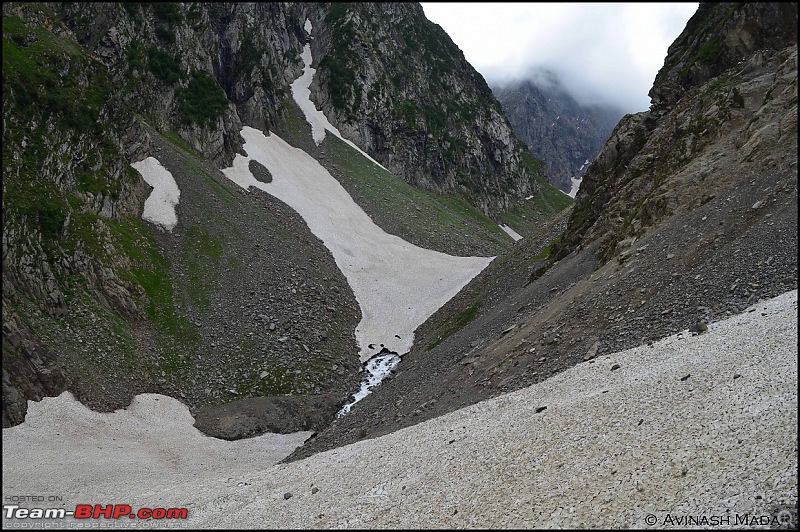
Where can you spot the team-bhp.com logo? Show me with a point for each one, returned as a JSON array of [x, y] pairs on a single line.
[[94, 511]]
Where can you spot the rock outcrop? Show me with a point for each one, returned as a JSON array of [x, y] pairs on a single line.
[[397, 85], [730, 75]]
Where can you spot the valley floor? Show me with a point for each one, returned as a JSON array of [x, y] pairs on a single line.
[[691, 428]]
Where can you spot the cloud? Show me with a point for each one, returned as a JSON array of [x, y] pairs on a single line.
[[602, 53]]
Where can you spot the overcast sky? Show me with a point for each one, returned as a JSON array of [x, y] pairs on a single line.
[[601, 52]]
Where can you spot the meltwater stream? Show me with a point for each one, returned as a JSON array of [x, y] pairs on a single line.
[[377, 368]]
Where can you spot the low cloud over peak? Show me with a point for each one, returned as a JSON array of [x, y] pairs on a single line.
[[601, 53]]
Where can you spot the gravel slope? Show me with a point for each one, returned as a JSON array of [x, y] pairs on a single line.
[[692, 426]]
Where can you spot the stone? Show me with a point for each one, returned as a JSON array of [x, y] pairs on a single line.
[[592, 352], [698, 327]]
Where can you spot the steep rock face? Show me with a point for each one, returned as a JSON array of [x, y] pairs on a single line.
[[389, 79], [201, 69], [718, 83], [94, 299], [399, 87], [30, 369], [718, 37], [556, 128]]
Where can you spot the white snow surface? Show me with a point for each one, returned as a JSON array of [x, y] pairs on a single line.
[[302, 95], [64, 448], [513, 234], [397, 285], [159, 207], [695, 425], [576, 185]]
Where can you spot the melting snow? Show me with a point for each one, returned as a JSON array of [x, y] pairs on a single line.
[[576, 185], [378, 368], [152, 442], [398, 285], [513, 234], [159, 208], [517, 468]]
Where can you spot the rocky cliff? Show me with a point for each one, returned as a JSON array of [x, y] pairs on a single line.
[[389, 79], [397, 84], [555, 127], [96, 301], [727, 78]]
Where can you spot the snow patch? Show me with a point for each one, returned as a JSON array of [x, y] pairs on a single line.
[[576, 185], [159, 207], [512, 463], [121, 454], [513, 234], [378, 368], [397, 285]]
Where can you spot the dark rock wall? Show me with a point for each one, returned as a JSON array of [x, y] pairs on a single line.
[[556, 128]]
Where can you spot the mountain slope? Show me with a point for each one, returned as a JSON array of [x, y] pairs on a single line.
[[556, 128], [688, 213], [395, 82], [240, 299], [591, 446]]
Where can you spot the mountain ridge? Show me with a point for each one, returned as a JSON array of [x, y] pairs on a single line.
[[555, 127]]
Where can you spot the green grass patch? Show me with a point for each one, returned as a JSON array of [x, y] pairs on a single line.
[[225, 193], [164, 66], [153, 273], [167, 12], [178, 141], [403, 209], [527, 215], [454, 324], [279, 380], [203, 252], [33, 64], [545, 252]]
